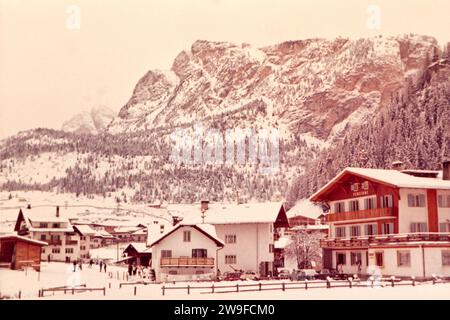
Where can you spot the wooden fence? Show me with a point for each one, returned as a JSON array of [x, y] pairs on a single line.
[[305, 285], [68, 289]]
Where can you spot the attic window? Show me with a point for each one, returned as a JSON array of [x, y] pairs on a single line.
[[354, 187]]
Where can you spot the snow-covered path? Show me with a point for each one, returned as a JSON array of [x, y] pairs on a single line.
[[60, 274]]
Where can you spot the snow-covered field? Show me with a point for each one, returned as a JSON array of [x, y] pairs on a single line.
[[59, 274]]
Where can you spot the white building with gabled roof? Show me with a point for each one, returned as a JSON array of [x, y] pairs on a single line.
[[248, 230], [186, 252], [46, 224]]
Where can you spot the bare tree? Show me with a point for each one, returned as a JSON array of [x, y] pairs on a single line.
[[304, 248]]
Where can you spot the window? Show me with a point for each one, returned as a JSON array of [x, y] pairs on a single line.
[[199, 272], [339, 207], [55, 225], [403, 258], [371, 229], [444, 201], [340, 258], [43, 225], [55, 250], [387, 228], [416, 200], [82, 238], [166, 253], [370, 203], [379, 259], [354, 205], [386, 201], [187, 236], [43, 237], [230, 238], [340, 232], [199, 253], [173, 272], [43, 250], [365, 185], [271, 248], [446, 258], [354, 187], [355, 258], [69, 250], [91, 246], [231, 259], [418, 227], [355, 231], [82, 248], [444, 227]]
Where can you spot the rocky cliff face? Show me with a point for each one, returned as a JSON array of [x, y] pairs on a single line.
[[310, 87]]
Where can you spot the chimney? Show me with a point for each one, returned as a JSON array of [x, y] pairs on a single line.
[[57, 211], [446, 170], [397, 165], [204, 205]]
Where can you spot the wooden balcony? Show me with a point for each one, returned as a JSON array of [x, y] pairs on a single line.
[[71, 242], [360, 215], [187, 262], [383, 239], [52, 242]]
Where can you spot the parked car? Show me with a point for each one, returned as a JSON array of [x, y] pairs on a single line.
[[304, 274], [230, 276], [325, 273], [249, 275], [284, 273]]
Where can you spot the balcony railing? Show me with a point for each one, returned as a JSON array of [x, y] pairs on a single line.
[[382, 239], [187, 262], [54, 242], [361, 214], [71, 242]]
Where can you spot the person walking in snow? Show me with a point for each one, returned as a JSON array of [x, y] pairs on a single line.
[[104, 266], [91, 263], [101, 265]]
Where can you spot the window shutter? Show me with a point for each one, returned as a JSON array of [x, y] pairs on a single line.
[[440, 201], [422, 200], [410, 200]]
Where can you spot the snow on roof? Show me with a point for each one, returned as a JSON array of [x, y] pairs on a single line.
[[104, 234], [207, 229], [126, 229], [140, 247], [218, 213], [43, 215], [85, 230], [15, 236], [305, 208], [282, 243], [392, 177]]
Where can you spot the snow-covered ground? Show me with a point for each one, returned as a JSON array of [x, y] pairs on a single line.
[[60, 274]]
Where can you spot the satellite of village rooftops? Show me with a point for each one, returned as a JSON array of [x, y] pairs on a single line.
[[224, 150]]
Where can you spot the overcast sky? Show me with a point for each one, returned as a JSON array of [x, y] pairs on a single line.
[[51, 70]]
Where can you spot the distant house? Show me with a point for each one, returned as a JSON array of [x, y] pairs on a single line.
[[305, 213], [17, 252], [130, 234], [89, 239], [44, 225], [186, 252], [138, 253]]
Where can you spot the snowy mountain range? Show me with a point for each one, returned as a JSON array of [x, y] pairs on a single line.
[[91, 122], [316, 92]]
